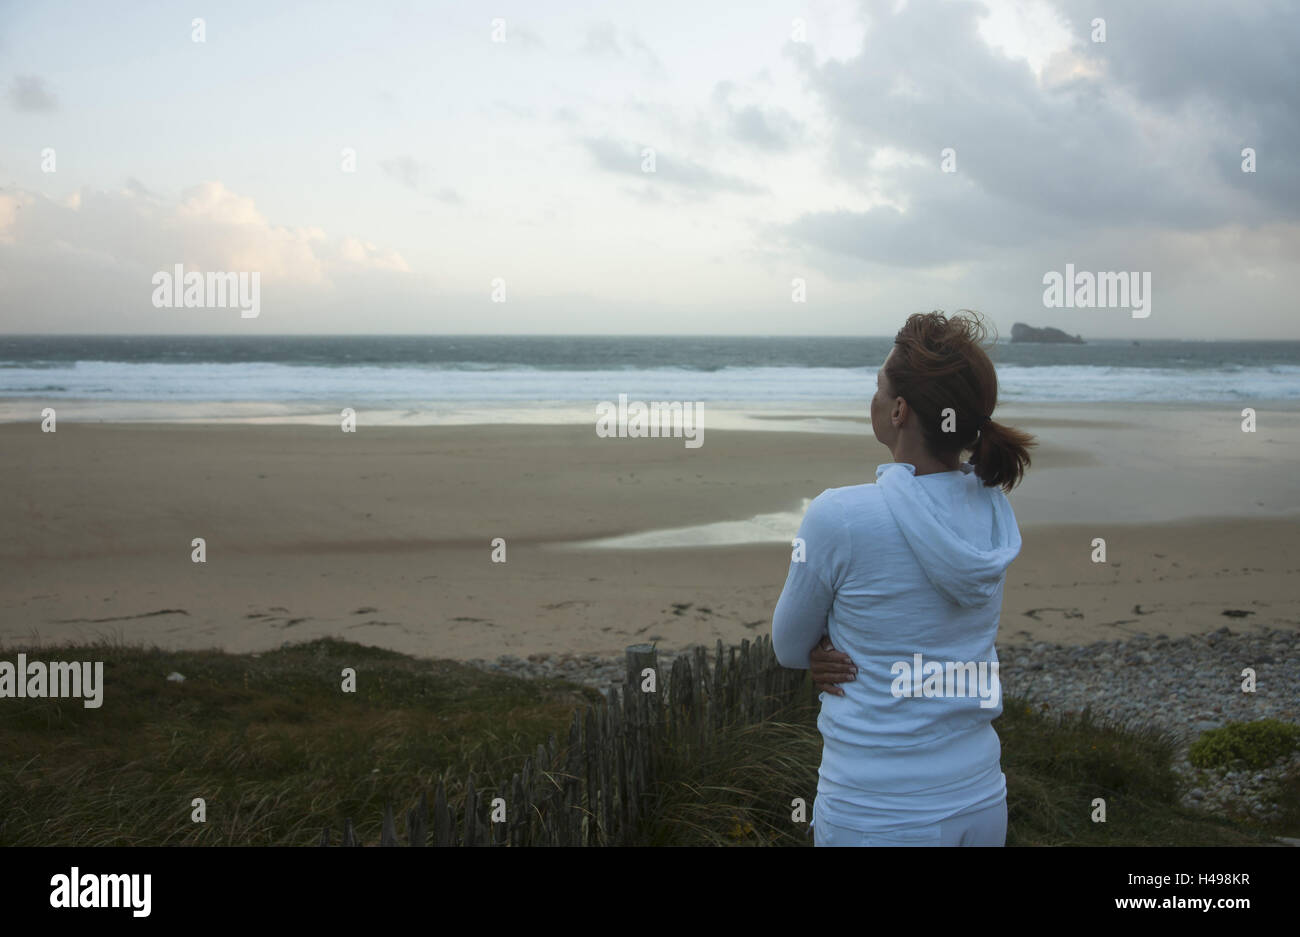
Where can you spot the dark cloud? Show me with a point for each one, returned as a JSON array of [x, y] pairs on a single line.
[[602, 41], [30, 93], [1033, 160], [404, 169], [616, 157], [769, 129], [925, 234], [1232, 67]]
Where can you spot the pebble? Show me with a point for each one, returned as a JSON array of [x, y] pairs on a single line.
[[1185, 685]]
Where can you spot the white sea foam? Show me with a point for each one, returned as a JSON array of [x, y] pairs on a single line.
[[404, 395]]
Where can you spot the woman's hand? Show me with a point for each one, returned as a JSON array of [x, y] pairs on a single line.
[[829, 667]]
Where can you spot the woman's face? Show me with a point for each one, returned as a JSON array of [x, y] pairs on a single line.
[[882, 406]]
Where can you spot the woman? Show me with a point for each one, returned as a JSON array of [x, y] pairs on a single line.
[[893, 599]]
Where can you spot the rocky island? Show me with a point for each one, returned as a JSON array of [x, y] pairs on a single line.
[[1027, 333]]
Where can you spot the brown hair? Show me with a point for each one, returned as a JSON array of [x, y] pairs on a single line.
[[939, 363]]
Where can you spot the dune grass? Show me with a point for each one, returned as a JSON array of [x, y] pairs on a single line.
[[278, 752], [271, 743], [741, 793]]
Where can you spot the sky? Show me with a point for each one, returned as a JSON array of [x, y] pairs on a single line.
[[821, 168]]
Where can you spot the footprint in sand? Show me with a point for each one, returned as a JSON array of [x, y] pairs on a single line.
[[377, 624], [1065, 613], [96, 621]]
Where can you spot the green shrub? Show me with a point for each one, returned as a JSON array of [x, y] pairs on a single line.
[[1254, 744]]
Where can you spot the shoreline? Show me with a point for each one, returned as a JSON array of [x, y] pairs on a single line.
[[822, 416]]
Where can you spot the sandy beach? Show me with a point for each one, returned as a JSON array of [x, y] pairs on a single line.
[[385, 536]]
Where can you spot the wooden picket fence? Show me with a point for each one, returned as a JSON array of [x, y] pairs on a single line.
[[593, 790]]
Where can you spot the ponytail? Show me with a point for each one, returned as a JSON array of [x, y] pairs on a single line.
[[1000, 455]]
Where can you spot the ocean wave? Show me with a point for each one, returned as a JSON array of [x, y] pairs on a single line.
[[420, 387]]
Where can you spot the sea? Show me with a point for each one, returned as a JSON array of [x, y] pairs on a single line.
[[441, 379]]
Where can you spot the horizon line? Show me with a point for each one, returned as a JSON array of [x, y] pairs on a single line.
[[182, 335]]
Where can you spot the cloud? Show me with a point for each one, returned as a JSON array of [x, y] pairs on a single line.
[[526, 37], [1103, 147], [616, 157], [87, 260], [364, 255], [1232, 70], [212, 203], [136, 187], [404, 169], [10, 207], [639, 47], [771, 129], [521, 111], [602, 41], [963, 226], [30, 93]]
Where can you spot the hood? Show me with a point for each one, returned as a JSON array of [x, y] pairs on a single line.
[[968, 573]]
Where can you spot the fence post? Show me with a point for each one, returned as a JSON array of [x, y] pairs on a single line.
[[572, 784], [542, 797], [590, 747], [471, 810], [417, 822], [606, 752], [388, 837], [639, 657], [442, 817]]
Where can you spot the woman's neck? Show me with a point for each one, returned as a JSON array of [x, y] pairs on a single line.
[[924, 463]]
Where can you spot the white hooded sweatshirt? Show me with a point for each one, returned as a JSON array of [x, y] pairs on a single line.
[[906, 577]]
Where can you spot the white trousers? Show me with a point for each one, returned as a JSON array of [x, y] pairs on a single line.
[[986, 827]]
